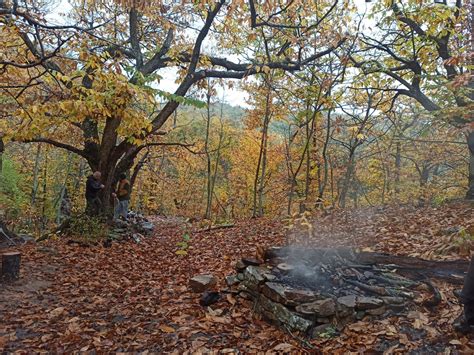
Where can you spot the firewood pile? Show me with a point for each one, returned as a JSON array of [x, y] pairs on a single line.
[[310, 290], [135, 227]]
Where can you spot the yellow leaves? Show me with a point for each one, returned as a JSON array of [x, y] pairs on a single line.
[[83, 56]]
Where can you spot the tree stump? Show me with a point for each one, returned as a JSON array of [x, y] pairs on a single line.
[[11, 266]]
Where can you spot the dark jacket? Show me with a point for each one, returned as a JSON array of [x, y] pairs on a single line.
[[123, 190], [92, 187]]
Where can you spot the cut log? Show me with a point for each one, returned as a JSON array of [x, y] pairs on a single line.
[[418, 269], [11, 266]]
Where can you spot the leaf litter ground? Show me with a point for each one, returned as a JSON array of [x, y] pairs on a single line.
[[135, 297]]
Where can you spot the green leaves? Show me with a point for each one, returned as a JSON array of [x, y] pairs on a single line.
[[180, 99]]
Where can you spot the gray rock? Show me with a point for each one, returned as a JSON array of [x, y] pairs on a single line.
[[274, 291], [300, 296], [240, 276], [248, 286], [201, 283], [137, 237], [240, 266], [251, 261], [270, 277], [363, 303], [231, 280], [376, 311], [147, 227], [324, 320], [393, 300], [280, 314], [347, 301], [287, 295], [255, 274], [320, 308]]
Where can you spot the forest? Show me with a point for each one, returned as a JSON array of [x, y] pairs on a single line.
[[173, 172]]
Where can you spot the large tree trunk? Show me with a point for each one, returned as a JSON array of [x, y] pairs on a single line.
[[470, 143]]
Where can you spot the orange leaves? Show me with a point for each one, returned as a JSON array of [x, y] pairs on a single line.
[[166, 329]]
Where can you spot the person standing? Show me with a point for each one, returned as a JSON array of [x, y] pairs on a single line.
[[123, 196], [93, 187]]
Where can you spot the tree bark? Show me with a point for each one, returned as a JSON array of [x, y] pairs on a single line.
[[470, 143], [324, 182], [347, 179], [208, 212], [262, 159], [2, 150], [34, 189]]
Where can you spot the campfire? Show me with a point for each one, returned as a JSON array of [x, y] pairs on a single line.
[[312, 290]]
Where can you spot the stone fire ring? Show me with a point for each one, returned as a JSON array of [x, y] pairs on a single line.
[[312, 290]]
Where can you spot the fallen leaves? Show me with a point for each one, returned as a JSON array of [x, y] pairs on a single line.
[[56, 312], [134, 297], [166, 329]]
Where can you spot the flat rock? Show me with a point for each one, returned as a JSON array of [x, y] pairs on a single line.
[[201, 283], [146, 227], [347, 301], [287, 295], [240, 266], [251, 261], [280, 314], [297, 296], [320, 308], [376, 311], [255, 274], [274, 291], [393, 300], [364, 303], [231, 280]]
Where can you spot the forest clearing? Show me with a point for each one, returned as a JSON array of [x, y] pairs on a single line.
[[237, 176], [135, 297]]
